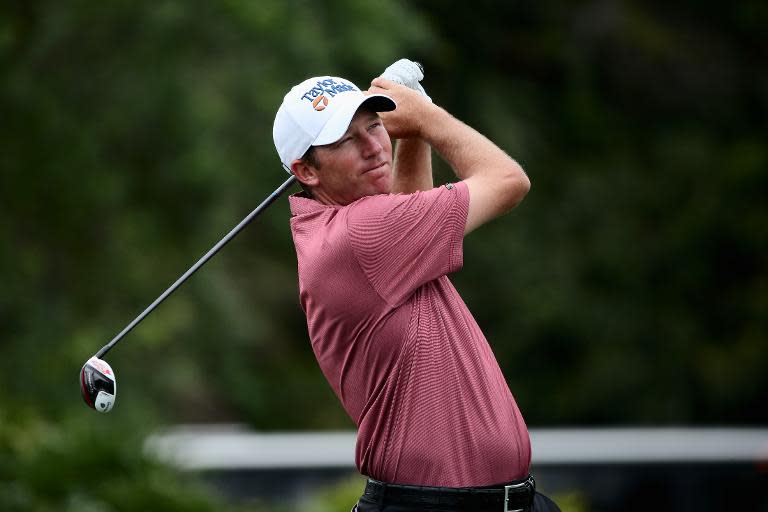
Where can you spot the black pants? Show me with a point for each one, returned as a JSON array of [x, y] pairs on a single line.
[[540, 504]]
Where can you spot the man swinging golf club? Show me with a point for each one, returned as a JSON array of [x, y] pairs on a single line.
[[438, 428]]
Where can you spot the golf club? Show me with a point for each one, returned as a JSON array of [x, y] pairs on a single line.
[[98, 383]]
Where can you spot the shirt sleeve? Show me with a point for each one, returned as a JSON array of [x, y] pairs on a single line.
[[404, 241]]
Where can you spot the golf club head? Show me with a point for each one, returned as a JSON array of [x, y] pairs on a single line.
[[98, 385]]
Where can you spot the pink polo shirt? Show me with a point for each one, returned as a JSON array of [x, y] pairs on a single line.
[[399, 346]]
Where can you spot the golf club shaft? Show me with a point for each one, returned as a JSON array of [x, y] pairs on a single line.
[[274, 195]]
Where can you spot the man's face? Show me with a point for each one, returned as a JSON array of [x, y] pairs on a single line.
[[357, 165]]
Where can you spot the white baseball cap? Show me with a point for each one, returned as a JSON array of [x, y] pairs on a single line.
[[318, 112]]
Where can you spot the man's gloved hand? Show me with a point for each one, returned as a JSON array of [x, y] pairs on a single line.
[[408, 73]]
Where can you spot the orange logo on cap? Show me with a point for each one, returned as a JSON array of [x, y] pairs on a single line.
[[320, 103]]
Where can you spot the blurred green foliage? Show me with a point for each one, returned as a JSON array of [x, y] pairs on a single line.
[[85, 467], [630, 287], [338, 497]]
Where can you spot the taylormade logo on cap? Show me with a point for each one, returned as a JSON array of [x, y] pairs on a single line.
[[317, 112], [317, 94]]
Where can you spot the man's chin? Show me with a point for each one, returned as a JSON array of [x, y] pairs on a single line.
[[384, 183], [378, 175]]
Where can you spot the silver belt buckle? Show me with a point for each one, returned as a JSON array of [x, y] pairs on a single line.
[[512, 487]]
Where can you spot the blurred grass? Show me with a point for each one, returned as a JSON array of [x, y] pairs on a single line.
[[571, 501], [89, 462], [82, 464], [338, 497]]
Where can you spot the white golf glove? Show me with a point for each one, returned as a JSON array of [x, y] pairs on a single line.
[[408, 73]]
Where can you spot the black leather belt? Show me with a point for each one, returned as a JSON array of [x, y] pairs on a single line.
[[512, 497]]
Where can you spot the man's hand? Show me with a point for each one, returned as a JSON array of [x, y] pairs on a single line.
[[412, 108], [413, 156], [408, 73]]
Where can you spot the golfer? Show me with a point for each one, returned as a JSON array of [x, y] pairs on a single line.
[[438, 428]]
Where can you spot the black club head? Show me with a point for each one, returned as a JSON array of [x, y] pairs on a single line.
[[98, 385]]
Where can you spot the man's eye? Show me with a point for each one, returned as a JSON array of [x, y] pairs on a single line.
[[375, 125]]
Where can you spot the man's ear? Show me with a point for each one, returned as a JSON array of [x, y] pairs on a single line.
[[305, 173]]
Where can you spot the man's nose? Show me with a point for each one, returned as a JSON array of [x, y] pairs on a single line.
[[371, 146]]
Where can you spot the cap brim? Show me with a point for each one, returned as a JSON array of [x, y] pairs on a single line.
[[337, 125]]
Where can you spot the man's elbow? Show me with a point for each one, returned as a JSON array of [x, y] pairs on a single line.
[[516, 185]]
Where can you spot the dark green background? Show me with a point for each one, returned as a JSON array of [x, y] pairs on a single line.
[[630, 287]]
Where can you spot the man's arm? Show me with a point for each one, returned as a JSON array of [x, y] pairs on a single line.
[[413, 166], [496, 182]]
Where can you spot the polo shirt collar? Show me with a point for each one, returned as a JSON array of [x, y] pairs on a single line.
[[301, 205]]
